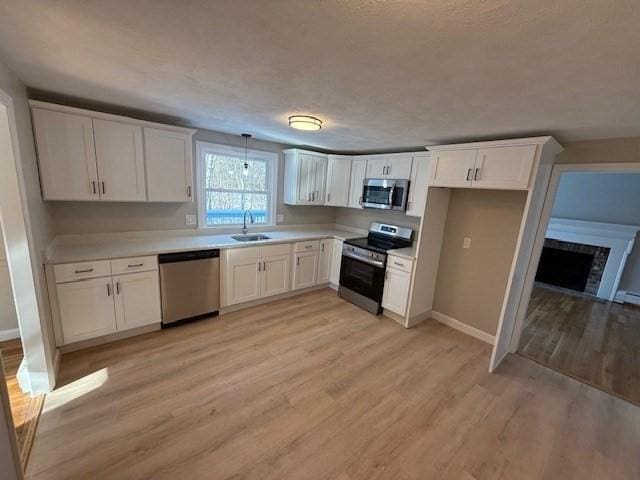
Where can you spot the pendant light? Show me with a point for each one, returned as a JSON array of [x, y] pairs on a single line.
[[245, 170]]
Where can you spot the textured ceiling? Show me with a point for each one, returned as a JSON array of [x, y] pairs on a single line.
[[382, 74]]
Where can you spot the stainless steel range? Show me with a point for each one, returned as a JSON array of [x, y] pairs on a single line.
[[364, 261]]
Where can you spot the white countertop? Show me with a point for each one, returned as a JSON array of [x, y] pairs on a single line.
[[123, 245], [408, 252]]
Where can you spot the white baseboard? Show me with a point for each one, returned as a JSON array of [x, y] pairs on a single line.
[[463, 327], [9, 334], [623, 296]]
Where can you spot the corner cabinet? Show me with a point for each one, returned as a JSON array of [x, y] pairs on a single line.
[[397, 284], [92, 156], [305, 175], [417, 198], [503, 167], [338, 179]]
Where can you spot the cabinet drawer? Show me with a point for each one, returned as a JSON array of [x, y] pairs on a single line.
[[273, 250], [68, 272], [400, 263], [134, 264], [307, 246], [243, 253]]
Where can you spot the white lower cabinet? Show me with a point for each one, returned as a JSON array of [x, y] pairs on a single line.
[[397, 281], [137, 299], [336, 261], [305, 271], [257, 272], [92, 303], [86, 309], [325, 260]]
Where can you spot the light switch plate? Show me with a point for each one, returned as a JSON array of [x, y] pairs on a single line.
[[190, 220], [466, 243], [280, 218]]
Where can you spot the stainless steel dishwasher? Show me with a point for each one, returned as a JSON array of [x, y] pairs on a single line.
[[189, 285]]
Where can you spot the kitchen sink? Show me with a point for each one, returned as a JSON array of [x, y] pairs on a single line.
[[250, 237]]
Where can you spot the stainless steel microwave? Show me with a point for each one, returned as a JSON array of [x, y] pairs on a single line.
[[385, 193]]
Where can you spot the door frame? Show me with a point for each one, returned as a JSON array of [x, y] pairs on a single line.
[[541, 230], [39, 376]]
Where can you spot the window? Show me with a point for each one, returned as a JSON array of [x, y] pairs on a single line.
[[226, 191]]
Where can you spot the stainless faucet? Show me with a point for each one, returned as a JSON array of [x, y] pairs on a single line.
[[244, 222]]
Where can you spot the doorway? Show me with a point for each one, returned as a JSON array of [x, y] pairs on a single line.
[[583, 312]]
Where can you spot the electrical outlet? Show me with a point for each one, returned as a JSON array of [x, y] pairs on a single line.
[[466, 243], [280, 218], [190, 220]]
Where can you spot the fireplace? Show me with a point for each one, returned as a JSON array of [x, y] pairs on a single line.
[[574, 266]]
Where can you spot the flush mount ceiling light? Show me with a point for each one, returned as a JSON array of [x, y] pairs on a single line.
[[305, 122]]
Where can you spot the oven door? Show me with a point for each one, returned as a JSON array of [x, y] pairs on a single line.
[[384, 193], [362, 277]]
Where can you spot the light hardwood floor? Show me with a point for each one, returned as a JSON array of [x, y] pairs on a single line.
[[594, 341], [311, 387], [25, 409]]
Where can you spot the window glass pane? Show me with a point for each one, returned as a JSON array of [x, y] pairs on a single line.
[[227, 189]]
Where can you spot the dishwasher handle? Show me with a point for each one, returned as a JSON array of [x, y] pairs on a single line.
[[188, 256]]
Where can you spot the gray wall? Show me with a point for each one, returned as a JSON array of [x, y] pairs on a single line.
[[608, 198], [95, 217]]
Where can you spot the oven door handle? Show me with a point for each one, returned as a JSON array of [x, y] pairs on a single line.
[[369, 261]]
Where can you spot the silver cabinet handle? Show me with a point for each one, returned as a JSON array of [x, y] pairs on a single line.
[[134, 265], [309, 197], [322, 247], [389, 170], [259, 266], [469, 174], [360, 200], [408, 205], [328, 197], [399, 264], [308, 246], [108, 289], [84, 271], [297, 261], [264, 266], [93, 186], [104, 189], [189, 191], [476, 176], [118, 288]]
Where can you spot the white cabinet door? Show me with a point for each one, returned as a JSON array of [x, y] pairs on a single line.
[[319, 182], [336, 261], [305, 270], [338, 178], [396, 291], [66, 155], [400, 167], [358, 173], [418, 186], [86, 309], [504, 167], [306, 178], [325, 260], [276, 274], [120, 160], [168, 161], [453, 168], [243, 275], [377, 167], [137, 299]]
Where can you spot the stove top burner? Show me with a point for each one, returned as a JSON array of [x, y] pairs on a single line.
[[373, 244]]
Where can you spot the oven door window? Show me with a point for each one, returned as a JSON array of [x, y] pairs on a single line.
[[362, 278], [378, 195]]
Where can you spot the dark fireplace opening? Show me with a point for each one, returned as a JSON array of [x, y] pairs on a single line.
[[564, 268]]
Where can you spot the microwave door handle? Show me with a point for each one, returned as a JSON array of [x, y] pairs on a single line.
[[391, 192]]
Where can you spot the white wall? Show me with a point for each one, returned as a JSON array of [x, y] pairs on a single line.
[[8, 317], [28, 230], [608, 198]]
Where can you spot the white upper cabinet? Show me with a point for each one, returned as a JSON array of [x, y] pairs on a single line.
[[417, 199], [389, 166], [85, 155], [504, 164], [169, 165], [120, 161], [305, 176], [338, 180], [504, 167], [66, 155], [453, 168], [358, 174]]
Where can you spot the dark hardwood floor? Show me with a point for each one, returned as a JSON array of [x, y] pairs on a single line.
[[594, 341], [25, 409], [312, 387]]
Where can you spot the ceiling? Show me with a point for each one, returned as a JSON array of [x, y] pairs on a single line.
[[382, 74]]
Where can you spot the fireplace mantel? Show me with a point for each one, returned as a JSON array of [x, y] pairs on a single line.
[[619, 238]]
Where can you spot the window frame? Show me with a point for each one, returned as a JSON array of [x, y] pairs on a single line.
[[271, 158]]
